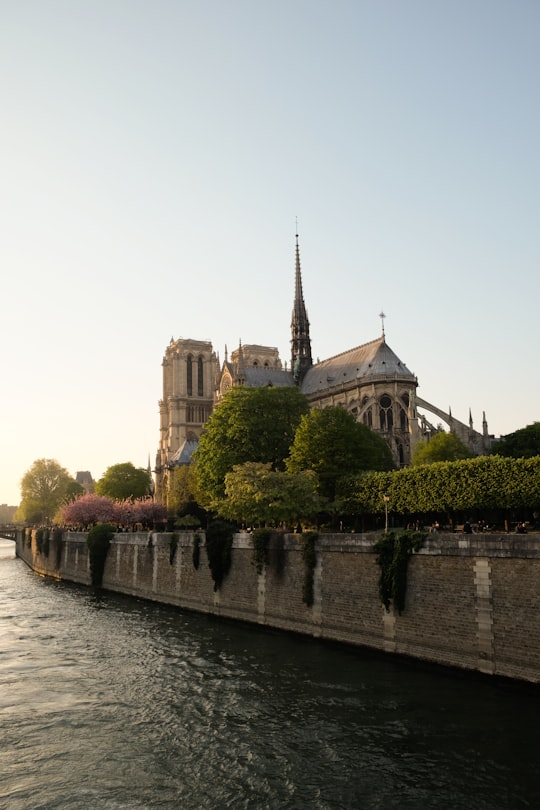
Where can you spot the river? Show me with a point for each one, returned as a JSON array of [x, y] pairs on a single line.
[[108, 702]]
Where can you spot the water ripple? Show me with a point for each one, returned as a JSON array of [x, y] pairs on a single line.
[[123, 705]]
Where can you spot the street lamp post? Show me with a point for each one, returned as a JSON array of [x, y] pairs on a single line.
[[386, 498]]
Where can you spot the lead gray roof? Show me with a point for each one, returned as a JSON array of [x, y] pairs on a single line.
[[371, 360], [259, 376], [184, 452]]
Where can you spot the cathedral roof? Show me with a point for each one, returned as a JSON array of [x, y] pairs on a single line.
[[371, 360], [184, 452], [259, 376]]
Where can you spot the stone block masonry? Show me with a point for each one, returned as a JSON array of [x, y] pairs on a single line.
[[472, 600]]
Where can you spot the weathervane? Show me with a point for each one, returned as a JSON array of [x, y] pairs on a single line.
[[382, 316]]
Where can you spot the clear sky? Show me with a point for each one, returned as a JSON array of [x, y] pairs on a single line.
[[154, 157]]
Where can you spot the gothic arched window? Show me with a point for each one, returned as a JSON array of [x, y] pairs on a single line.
[[200, 377], [367, 416], [386, 418], [189, 370]]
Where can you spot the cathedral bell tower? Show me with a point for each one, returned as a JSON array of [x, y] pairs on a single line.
[[301, 359]]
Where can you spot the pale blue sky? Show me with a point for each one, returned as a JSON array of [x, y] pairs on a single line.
[[154, 156]]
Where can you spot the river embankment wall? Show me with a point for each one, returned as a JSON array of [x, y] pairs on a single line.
[[472, 600]]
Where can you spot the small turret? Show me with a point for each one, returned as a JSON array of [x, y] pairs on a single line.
[[240, 369]]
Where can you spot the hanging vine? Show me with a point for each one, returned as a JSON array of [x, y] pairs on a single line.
[[260, 539], [173, 545], [42, 541], [393, 552], [98, 541], [219, 538], [58, 537]]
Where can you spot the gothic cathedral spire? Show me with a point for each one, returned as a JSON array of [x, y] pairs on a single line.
[[300, 341]]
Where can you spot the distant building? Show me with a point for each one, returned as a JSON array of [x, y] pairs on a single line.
[[370, 381], [85, 480], [6, 513]]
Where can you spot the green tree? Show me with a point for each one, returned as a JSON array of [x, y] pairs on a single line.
[[123, 481], [182, 488], [249, 424], [487, 483], [441, 447], [44, 487], [334, 445], [182, 497], [257, 494], [523, 443]]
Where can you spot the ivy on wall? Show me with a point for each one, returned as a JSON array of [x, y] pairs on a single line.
[[260, 539], [43, 541], [219, 539], [173, 545], [98, 541], [58, 537], [393, 552]]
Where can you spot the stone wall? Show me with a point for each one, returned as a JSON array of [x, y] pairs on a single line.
[[472, 600]]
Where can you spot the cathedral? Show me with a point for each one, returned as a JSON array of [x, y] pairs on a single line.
[[369, 381]]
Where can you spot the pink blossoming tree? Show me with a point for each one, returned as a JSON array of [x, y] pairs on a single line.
[[87, 510]]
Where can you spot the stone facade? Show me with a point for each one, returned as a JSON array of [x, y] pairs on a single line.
[[190, 373], [471, 599]]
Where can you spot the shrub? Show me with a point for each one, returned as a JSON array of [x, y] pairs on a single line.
[[188, 522]]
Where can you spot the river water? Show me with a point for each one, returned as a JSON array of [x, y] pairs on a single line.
[[113, 703]]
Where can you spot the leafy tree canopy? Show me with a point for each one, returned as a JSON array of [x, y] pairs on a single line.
[[123, 481], [182, 488], [257, 494], [44, 487], [523, 443], [482, 483], [249, 424], [441, 447], [333, 444]]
